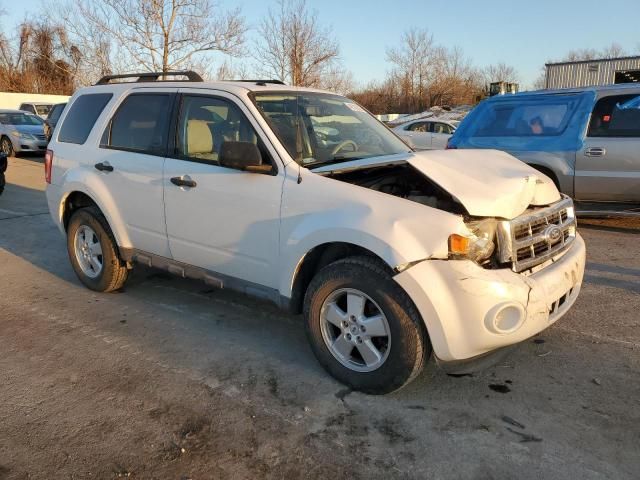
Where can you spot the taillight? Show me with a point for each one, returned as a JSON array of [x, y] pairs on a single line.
[[48, 165]]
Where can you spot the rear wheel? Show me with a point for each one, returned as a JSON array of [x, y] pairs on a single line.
[[2, 182], [93, 251], [363, 327], [6, 146]]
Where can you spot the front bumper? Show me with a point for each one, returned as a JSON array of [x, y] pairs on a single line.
[[23, 145], [469, 310]]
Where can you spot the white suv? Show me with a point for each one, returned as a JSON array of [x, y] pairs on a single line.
[[302, 197]]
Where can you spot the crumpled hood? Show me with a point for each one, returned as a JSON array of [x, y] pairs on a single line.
[[488, 183]]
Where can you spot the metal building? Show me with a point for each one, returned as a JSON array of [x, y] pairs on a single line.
[[593, 72]]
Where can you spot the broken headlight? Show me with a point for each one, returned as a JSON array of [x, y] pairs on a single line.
[[479, 245]]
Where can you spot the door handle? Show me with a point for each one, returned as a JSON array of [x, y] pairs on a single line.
[[184, 181], [595, 152], [104, 167]]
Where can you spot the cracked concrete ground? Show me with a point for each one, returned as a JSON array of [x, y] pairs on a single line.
[[170, 379]]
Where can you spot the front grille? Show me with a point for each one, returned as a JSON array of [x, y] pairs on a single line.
[[537, 235]]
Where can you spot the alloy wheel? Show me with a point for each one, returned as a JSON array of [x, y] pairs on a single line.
[[88, 251], [355, 330]]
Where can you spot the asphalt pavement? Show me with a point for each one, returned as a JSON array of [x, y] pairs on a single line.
[[170, 379]]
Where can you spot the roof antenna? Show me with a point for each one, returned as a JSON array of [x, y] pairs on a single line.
[[299, 174]]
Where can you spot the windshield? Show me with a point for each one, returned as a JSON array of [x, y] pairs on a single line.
[[319, 129], [20, 119], [43, 109]]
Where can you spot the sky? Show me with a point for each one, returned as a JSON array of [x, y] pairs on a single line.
[[518, 33]]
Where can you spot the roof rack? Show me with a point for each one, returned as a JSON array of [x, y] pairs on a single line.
[[262, 82], [153, 77]]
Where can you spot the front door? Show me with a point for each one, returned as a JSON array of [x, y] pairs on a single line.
[[224, 220], [608, 165], [131, 160], [420, 135], [441, 132]]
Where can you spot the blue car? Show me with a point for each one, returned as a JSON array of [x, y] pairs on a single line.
[[587, 140]]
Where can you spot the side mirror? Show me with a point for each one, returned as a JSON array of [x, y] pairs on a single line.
[[242, 156]]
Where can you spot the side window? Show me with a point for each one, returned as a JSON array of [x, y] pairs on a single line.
[[206, 123], [441, 128], [141, 124], [54, 115], [82, 115], [615, 116], [419, 127]]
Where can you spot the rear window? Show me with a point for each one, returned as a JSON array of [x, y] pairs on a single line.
[[43, 110], [546, 116], [616, 116], [82, 115]]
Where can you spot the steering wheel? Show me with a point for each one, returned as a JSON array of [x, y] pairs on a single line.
[[343, 144]]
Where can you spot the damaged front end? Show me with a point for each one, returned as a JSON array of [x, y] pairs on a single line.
[[403, 181], [513, 268]]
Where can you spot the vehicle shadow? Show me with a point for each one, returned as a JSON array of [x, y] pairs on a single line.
[[18, 201], [618, 225], [35, 157], [597, 273]]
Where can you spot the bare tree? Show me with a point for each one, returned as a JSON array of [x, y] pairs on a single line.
[[500, 72], [292, 47], [413, 61], [227, 70], [454, 81], [155, 35], [39, 59], [612, 51]]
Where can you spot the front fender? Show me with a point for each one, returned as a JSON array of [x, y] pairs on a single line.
[[322, 210]]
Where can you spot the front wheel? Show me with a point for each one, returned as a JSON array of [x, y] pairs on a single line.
[[363, 328], [93, 251]]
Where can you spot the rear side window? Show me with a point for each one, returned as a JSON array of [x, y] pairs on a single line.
[[141, 124], [546, 116], [82, 115], [54, 115], [25, 107], [616, 116]]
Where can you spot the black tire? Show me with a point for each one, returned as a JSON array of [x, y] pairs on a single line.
[[6, 146], [2, 182], [114, 271], [409, 346]]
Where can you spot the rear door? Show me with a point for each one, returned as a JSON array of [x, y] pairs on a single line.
[[608, 165], [131, 161]]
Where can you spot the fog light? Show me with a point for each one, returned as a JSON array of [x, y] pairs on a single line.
[[505, 318]]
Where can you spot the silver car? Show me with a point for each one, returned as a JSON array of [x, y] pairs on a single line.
[[426, 134], [21, 132]]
